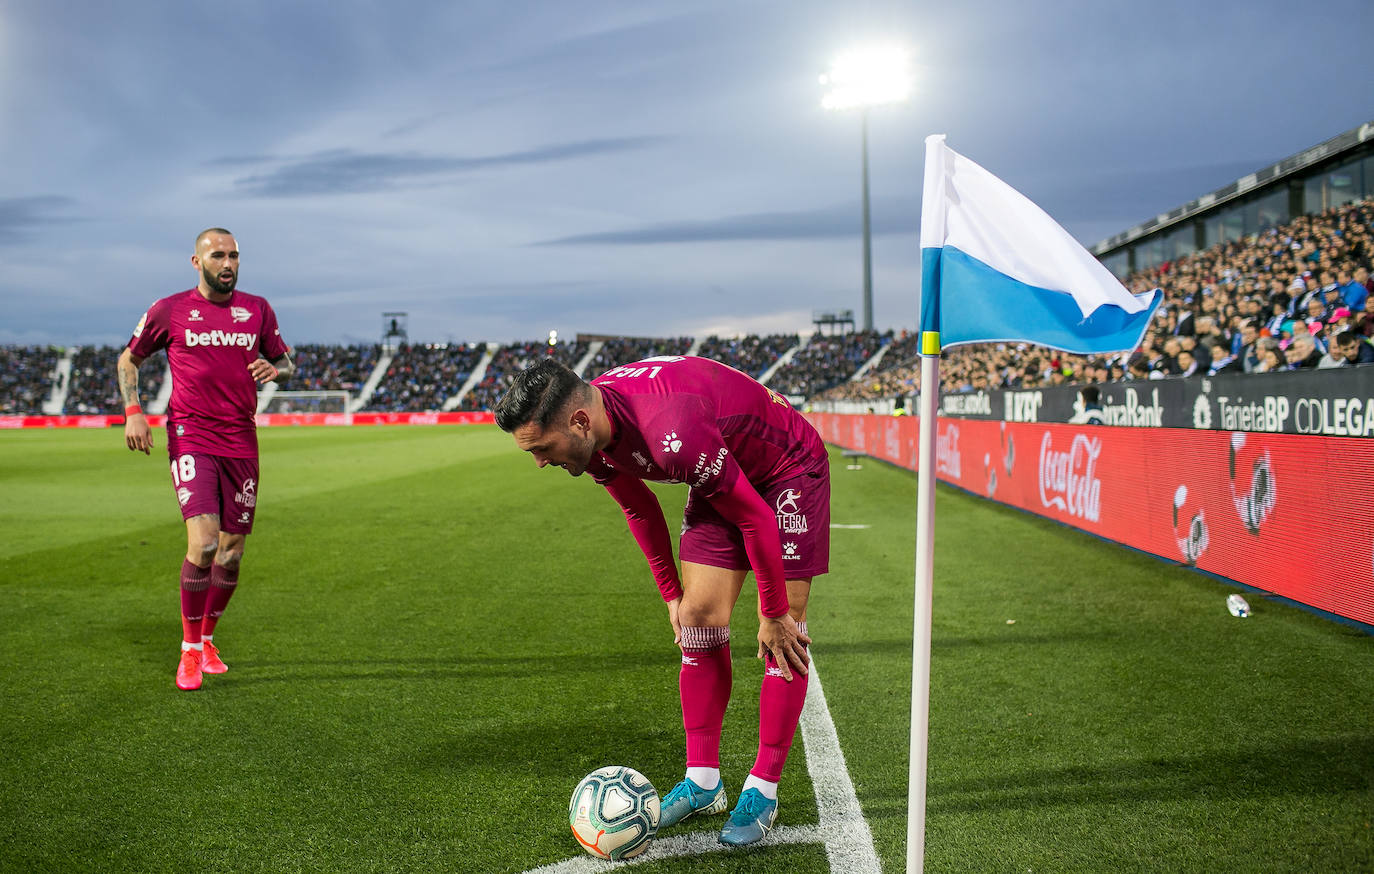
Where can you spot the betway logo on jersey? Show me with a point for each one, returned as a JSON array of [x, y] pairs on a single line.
[[1068, 480], [242, 339]]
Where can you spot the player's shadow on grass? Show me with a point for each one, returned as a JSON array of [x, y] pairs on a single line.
[[902, 646], [557, 745], [248, 671], [1330, 766]]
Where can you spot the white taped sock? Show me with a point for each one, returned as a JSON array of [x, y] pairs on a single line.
[[767, 787]]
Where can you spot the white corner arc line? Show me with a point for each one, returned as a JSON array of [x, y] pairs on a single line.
[[856, 527], [692, 844], [843, 829]]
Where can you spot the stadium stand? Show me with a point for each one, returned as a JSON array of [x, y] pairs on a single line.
[[618, 350], [825, 361], [1247, 305], [1308, 277], [511, 359], [321, 367], [94, 390], [752, 354], [26, 378], [422, 376]]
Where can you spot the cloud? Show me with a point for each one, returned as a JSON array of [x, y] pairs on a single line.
[[240, 160], [891, 216], [345, 171], [20, 215]]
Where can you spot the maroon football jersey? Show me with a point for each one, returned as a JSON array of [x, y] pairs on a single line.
[[697, 421], [209, 347]]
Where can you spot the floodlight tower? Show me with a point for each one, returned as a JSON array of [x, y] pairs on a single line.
[[860, 79]]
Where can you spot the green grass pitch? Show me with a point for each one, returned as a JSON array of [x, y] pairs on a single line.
[[433, 642]]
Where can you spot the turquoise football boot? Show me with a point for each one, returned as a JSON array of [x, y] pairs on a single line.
[[751, 819], [687, 798]]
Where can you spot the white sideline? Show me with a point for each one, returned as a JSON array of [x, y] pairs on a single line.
[[848, 841], [843, 829]]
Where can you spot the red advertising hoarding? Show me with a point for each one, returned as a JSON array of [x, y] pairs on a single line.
[[1284, 513], [265, 420]]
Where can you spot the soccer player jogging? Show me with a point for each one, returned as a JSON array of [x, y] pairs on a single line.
[[759, 500], [221, 344]]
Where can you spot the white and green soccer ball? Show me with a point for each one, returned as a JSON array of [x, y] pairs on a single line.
[[614, 813]]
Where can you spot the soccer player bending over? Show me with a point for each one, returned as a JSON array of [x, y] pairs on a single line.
[[759, 500], [221, 344]]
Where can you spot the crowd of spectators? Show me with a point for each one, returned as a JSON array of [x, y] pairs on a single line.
[[898, 374], [321, 367], [26, 378], [752, 354], [94, 384], [1295, 297], [422, 376], [827, 361], [622, 350], [1292, 298], [511, 359]]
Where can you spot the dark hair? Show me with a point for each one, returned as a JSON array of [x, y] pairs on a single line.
[[1091, 394], [1346, 337], [537, 394]]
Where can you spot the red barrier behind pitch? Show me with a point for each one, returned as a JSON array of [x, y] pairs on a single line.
[[265, 420], [1285, 513]]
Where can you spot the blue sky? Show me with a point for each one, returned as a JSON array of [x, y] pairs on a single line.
[[498, 170]]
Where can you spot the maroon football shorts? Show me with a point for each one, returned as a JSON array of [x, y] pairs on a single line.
[[802, 507], [217, 486]]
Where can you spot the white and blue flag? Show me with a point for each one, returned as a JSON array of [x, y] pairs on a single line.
[[996, 267]]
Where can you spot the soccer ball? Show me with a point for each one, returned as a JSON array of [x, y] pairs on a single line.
[[614, 813]]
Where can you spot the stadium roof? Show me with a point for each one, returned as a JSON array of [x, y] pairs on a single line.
[[1333, 147]]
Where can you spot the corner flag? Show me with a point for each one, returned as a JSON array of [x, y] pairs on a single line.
[[994, 267]]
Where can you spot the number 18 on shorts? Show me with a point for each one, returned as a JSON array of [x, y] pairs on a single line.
[[217, 486]]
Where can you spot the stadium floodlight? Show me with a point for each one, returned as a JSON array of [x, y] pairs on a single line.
[[867, 77], [861, 79]]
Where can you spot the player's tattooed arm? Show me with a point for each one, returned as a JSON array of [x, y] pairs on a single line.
[[128, 377], [137, 435], [285, 367], [264, 371]]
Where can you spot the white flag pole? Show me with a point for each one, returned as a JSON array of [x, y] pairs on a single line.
[[932, 240], [921, 620]]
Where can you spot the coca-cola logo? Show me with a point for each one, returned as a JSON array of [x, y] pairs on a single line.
[[892, 445], [947, 459], [1068, 480]]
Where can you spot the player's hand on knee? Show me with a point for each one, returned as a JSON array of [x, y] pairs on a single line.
[[782, 639], [672, 617]]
